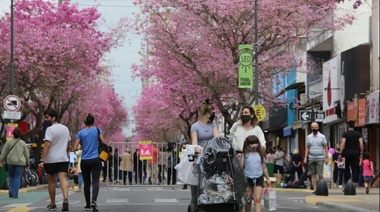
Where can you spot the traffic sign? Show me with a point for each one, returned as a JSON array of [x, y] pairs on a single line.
[[319, 116], [12, 103], [260, 112], [305, 115], [12, 115]]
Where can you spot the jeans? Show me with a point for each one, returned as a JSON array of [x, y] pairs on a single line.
[[80, 180], [340, 176], [15, 172]]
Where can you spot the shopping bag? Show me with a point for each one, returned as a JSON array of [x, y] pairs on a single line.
[[270, 199], [185, 168]]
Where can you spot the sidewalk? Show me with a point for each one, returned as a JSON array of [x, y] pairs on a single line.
[[337, 201], [27, 189]]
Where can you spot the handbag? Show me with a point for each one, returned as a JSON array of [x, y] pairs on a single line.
[[5, 162], [103, 148], [270, 199]]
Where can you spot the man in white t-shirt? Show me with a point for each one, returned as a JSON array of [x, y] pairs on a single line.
[[55, 158], [279, 158]]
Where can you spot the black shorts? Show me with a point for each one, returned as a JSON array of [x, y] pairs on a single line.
[[256, 181], [54, 168], [278, 169]]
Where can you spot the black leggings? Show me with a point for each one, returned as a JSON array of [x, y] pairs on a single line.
[[91, 173]]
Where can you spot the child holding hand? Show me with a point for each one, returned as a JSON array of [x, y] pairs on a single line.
[[252, 160]]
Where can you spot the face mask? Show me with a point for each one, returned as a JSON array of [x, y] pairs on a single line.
[[245, 118], [47, 123], [212, 117], [315, 131]]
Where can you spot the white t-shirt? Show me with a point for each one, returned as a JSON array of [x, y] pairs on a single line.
[[279, 154], [59, 136], [239, 134]]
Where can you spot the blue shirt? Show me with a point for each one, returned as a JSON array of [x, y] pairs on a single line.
[[204, 132], [252, 165], [89, 139]]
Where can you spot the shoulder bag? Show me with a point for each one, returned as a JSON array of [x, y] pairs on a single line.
[[6, 164], [103, 149]]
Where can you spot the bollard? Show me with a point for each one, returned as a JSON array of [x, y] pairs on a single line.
[[349, 188], [322, 189]]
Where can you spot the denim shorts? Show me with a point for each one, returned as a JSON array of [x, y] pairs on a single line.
[[367, 178]]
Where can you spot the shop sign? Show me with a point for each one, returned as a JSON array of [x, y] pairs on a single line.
[[373, 110], [356, 111]]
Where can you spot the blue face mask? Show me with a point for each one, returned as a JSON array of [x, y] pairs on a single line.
[[47, 123]]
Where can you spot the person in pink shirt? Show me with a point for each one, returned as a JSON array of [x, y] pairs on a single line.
[[368, 172]]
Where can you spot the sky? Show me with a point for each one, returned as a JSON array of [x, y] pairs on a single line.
[[120, 59]]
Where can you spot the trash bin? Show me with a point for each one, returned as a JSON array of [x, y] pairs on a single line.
[[3, 176], [270, 167]]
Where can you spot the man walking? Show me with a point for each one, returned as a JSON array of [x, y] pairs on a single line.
[[352, 149], [316, 149], [55, 158]]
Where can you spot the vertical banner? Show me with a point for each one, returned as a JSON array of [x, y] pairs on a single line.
[[245, 66], [10, 128], [146, 150]]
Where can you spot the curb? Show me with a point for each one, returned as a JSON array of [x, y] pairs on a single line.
[[340, 207], [293, 190], [27, 189]]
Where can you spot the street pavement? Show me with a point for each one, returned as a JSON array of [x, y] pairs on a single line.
[[167, 198]]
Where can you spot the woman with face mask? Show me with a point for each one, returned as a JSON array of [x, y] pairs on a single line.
[[240, 130], [202, 131], [246, 126]]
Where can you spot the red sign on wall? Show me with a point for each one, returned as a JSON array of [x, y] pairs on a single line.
[[146, 150]]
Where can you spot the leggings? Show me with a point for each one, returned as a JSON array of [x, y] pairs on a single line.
[[194, 196], [91, 169]]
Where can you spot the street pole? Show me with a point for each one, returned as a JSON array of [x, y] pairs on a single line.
[[312, 111], [12, 65], [256, 60]]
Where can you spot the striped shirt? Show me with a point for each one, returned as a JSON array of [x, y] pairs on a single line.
[[316, 145]]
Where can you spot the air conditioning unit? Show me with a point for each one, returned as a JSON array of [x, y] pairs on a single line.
[[303, 98]]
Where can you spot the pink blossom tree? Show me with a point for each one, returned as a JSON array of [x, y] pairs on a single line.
[[59, 63], [193, 45]]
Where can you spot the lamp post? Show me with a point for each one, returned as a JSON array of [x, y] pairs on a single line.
[[256, 60], [11, 61]]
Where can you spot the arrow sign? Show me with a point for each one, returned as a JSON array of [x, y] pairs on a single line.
[[305, 115]]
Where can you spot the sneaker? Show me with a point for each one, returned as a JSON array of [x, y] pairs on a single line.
[[340, 186], [367, 190], [87, 208], [65, 205], [314, 192], [334, 185], [52, 207], [94, 206]]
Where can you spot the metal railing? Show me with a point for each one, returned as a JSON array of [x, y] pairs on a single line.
[[126, 167]]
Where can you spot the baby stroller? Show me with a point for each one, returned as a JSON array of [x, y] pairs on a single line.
[[216, 168]]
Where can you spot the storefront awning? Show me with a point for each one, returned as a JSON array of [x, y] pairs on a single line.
[[287, 131]]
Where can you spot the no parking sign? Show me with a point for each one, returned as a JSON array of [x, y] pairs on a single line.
[[12, 103]]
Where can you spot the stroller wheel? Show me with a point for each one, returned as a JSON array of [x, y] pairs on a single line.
[[192, 208]]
